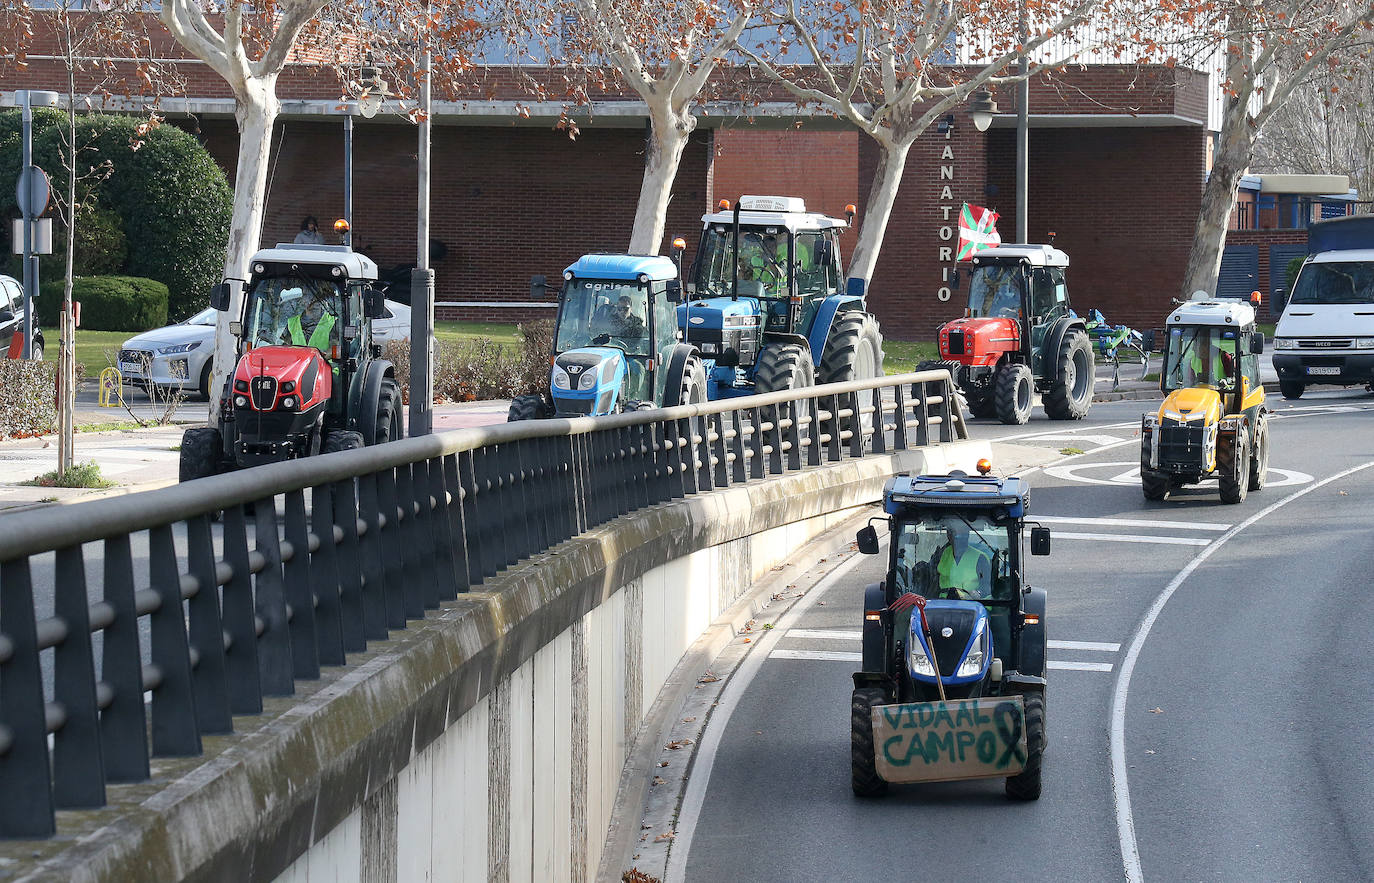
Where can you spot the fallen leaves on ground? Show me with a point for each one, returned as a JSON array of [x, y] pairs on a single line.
[[678, 743], [707, 678], [688, 720], [1156, 710], [663, 763], [659, 780], [667, 835], [634, 875]]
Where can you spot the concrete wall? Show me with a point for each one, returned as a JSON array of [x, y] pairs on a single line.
[[487, 741]]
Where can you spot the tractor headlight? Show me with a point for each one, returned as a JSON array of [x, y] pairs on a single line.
[[973, 662], [587, 380], [1150, 421], [917, 660], [240, 401], [1170, 414], [289, 403], [1285, 343], [560, 378], [289, 386]]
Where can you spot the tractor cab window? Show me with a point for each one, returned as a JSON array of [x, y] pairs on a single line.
[[1200, 355], [995, 290], [604, 314], [295, 311], [949, 557], [1049, 294], [815, 268], [761, 265], [355, 317]]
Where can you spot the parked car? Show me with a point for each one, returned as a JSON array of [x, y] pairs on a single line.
[[12, 317], [178, 357]]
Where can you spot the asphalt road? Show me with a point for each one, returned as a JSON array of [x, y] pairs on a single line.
[[1223, 646]]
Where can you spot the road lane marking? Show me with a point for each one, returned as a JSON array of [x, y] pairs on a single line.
[[831, 634], [1131, 538], [821, 655], [1131, 522], [1070, 472], [1079, 666], [1121, 790], [1083, 645]]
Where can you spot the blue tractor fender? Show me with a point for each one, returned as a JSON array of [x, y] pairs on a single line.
[[363, 394], [825, 317]]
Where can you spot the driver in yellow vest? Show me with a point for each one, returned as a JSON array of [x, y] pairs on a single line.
[[1219, 360], [964, 566], [318, 316]]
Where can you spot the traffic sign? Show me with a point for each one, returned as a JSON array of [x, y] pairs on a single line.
[[32, 191]]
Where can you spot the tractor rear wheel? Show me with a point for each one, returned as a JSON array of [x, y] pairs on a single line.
[[528, 407], [980, 399], [1071, 389], [1026, 784], [1291, 389], [1013, 393], [201, 451], [1259, 455], [864, 776], [341, 440], [1154, 484], [1233, 468], [853, 349], [692, 390], [389, 427], [783, 366]]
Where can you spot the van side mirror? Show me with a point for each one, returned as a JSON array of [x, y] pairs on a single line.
[[539, 287], [855, 287], [1040, 541], [374, 303], [6, 316], [1257, 342], [219, 296], [867, 538], [1147, 341]]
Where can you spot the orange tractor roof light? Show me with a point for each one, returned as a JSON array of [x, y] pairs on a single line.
[[680, 244], [984, 466], [723, 205], [340, 226]]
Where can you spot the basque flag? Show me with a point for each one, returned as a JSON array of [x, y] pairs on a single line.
[[977, 231]]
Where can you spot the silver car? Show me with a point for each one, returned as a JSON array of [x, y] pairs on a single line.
[[177, 357]]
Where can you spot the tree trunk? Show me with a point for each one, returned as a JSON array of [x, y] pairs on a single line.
[[256, 113], [668, 134], [1232, 157], [887, 177]]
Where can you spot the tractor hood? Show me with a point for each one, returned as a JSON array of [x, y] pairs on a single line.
[[719, 313], [977, 337], [1195, 403], [588, 381], [269, 375]]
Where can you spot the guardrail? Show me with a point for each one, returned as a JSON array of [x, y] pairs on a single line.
[[345, 547]]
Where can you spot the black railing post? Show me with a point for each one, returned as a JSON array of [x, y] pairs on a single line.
[[174, 729], [898, 418], [241, 654], [879, 421], [207, 630], [388, 548], [738, 469], [123, 725], [358, 622], [27, 807], [922, 407], [457, 530], [299, 594], [756, 443], [325, 580], [78, 764], [441, 532], [274, 644], [833, 427], [409, 538]]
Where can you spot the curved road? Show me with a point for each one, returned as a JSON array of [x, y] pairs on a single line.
[[1231, 638]]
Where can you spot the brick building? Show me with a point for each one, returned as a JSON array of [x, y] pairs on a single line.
[[1117, 163]]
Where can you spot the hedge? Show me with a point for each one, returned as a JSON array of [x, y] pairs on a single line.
[[480, 369], [173, 202], [108, 303], [26, 397]]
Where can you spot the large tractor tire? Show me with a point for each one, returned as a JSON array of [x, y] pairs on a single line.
[[201, 452], [1233, 468], [981, 400], [853, 349], [389, 427], [783, 366], [1259, 455], [1013, 393], [864, 776], [1071, 389], [1026, 784], [960, 398], [692, 389], [1154, 484], [342, 440], [528, 407], [1291, 389]]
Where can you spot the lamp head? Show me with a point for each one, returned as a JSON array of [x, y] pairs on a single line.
[[982, 109]]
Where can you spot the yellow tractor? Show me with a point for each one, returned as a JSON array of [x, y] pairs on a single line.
[[1213, 423]]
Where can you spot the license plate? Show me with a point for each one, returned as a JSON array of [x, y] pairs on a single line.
[[1323, 369], [127, 368], [945, 741]]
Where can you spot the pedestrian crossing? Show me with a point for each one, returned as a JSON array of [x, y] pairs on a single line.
[[1079, 654]]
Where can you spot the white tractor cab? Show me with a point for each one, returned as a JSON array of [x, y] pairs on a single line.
[[1326, 333], [1212, 422], [768, 305]]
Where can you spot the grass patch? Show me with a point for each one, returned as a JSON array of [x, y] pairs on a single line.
[[498, 332], [1151, 378], [1267, 328], [902, 356], [1069, 452], [108, 427], [84, 475], [97, 350]]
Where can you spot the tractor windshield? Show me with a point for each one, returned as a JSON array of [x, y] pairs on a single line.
[[1200, 355], [949, 557], [596, 313], [995, 290], [1336, 282], [294, 311], [762, 262]]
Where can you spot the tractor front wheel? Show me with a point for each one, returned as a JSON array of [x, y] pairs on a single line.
[[1026, 784], [341, 440], [527, 407], [1291, 389], [1013, 392], [1071, 389], [864, 776], [1233, 468], [783, 366], [1154, 484], [389, 426], [692, 390], [201, 451], [853, 349], [1259, 456]]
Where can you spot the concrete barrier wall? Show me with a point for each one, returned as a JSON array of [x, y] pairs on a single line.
[[488, 741]]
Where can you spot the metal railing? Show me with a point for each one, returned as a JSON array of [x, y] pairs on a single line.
[[343, 548]]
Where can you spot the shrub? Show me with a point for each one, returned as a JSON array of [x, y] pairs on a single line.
[[84, 475], [108, 303], [101, 248], [26, 398], [1290, 277]]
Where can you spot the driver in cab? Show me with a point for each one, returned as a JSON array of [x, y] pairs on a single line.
[[960, 569], [313, 320]]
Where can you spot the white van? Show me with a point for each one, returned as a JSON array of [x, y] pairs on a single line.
[[1326, 332]]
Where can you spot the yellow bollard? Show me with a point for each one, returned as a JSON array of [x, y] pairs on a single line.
[[111, 388]]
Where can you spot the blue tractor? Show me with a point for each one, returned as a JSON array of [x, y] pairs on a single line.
[[616, 345], [767, 305]]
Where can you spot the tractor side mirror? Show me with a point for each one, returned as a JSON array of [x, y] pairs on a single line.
[[219, 296], [867, 538], [1040, 541], [954, 279], [1147, 341], [1257, 342], [539, 287], [673, 290], [374, 303], [855, 287]]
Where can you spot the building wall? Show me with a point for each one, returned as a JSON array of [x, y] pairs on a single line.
[[820, 167]]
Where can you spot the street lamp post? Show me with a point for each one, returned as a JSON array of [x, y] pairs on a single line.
[[28, 99], [350, 108], [422, 280], [1023, 137]]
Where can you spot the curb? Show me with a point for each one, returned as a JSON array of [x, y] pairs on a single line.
[[93, 495]]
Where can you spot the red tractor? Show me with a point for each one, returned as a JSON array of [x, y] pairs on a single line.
[[309, 378], [1018, 337]]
